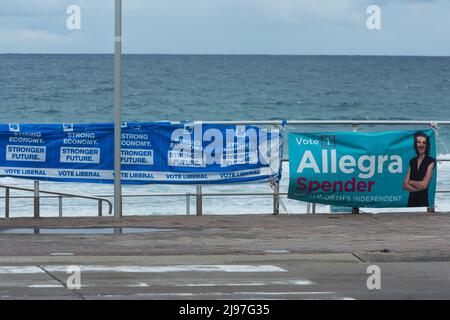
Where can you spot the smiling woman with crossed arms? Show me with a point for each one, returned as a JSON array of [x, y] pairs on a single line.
[[420, 172]]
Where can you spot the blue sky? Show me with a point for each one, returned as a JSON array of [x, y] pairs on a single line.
[[409, 27]]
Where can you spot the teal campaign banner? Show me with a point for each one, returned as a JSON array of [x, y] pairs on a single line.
[[356, 169]]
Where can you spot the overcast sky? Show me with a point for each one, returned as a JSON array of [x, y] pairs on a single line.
[[408, 27]]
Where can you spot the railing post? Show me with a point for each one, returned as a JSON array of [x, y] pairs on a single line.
[[100, 208], [60, 206], [313, 208], [276, 198], [6, 203], [36, 200], [117, 110], [199, 200], [188, 203], [308, 208]]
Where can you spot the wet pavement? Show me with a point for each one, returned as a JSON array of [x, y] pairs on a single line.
[[227, 257]]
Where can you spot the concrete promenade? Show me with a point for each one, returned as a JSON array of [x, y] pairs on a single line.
[[230, 257]]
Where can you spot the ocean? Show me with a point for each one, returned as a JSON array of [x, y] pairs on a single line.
[[80, 89]]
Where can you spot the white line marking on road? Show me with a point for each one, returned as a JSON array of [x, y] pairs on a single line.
[[45, 286], [62, 254], [293, 282], [169, 284], [277, 251], [20, 269], [140, 284], [266, 283], [285, 293], [176, 268], [332, 298], [189, 294], [108, 285]]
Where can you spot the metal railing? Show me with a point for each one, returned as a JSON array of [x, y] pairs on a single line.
[[199, 195], [59, 195]]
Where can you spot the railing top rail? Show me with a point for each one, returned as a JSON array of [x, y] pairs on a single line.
[[438, 159], [208, 194], [343, 122]]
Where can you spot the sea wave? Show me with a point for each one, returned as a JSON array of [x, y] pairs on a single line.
[[177, 205]]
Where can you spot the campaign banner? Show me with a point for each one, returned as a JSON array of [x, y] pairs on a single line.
[[356, 169], [151, 152]]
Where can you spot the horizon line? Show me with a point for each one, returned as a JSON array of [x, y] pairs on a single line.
[[232, 54]]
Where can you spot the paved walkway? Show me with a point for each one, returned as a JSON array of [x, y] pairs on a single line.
[[227, 257], [382, 237], [240, 278]]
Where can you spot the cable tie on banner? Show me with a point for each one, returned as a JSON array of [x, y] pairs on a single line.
[[282, 125], [282, 204], [435, 127], [272, 183]]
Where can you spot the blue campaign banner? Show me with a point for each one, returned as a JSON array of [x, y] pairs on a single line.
[[354, 169], [152, 152]]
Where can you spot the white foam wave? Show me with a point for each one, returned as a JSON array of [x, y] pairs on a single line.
[[159, 205]]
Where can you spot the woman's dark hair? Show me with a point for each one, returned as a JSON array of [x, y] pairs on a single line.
[[422, 134]]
